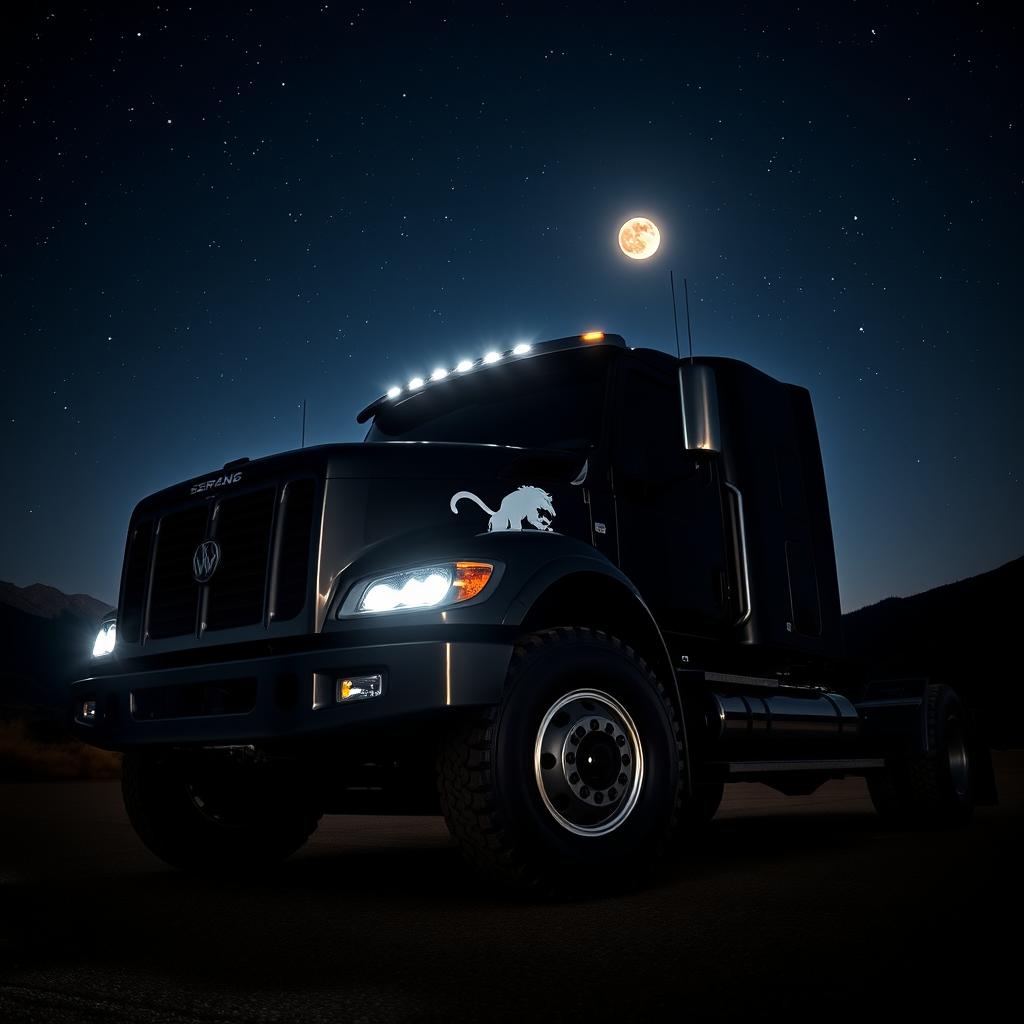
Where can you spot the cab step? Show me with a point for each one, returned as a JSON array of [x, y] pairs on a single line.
[[830, 764]]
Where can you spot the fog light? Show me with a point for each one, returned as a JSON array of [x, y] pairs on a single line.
[[87, 712], [359, 688]]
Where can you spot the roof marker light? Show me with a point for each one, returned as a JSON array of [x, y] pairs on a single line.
[[491, 357], [394, 392], [439, 374], [521, 349], [416, 383], [464, 365], [593, 336]]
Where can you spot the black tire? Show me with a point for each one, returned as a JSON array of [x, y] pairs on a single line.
[[934, 789], [517, 816], [203, 815]]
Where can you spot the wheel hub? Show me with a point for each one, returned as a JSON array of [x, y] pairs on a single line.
[[588, 762]]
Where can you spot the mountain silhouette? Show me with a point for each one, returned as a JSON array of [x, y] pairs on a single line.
[[46, 637]]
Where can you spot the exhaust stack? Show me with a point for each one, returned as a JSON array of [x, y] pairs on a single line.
[[699, 392]]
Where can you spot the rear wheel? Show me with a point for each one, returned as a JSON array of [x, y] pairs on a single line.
[[936, 788], [202, 813], [575, 778]]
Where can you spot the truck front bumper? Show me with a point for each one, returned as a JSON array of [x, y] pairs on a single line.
[[284, 697]]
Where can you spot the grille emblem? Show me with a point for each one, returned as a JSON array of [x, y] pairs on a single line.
[[205, 561]]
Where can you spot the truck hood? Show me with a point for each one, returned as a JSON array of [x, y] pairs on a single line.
[[404, 460], [287, 533]]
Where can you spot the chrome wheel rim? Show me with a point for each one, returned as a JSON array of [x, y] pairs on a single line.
[[588, 762]]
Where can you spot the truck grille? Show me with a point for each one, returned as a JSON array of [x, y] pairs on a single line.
[[255, 531], [173, 593], [293, 550], [136, 569], [242, 527]]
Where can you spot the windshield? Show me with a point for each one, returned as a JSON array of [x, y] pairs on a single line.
[[546, 401]]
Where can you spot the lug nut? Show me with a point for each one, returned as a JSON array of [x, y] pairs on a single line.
[[570, 758], [609, 728], [621, 740], [581, 732], [612, 793], [574, 778], [623, 779], [598, 798], [625, 758], [595, 724], [584, 791]]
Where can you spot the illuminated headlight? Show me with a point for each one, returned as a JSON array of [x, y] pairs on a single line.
[[432, 586], [105, 639]]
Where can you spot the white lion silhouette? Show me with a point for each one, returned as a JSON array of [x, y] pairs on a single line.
[[526, 503]]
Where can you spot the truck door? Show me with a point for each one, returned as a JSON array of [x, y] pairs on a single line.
[[671, 538]]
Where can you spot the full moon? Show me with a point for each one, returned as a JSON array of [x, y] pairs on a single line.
[[639, 238]]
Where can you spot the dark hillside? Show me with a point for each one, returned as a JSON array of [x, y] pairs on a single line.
[[964, 633]]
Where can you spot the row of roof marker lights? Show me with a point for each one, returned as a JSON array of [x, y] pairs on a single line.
[[489, 359]]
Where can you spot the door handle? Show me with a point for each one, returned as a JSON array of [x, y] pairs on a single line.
[[744, 565]]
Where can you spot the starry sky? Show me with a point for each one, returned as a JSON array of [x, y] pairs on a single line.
[[212, 215]]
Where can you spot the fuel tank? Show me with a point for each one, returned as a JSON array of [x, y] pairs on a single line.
[[777, 719]]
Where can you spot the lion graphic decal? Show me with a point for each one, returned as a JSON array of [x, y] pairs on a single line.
[[526, 504]]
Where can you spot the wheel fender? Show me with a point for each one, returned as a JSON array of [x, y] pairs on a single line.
[[576, 563]]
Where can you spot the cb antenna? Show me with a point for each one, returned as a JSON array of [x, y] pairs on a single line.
[[302, 438], [689, 333], [675, 316]]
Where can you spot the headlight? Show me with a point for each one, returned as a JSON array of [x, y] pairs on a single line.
[[430, 586], [105, 639]]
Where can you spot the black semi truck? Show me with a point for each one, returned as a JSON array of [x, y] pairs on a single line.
[[562, 593]]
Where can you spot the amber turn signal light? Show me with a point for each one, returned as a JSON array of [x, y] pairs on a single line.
[[471, 578]]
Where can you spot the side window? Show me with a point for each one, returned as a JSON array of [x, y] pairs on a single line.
[[648, 428]]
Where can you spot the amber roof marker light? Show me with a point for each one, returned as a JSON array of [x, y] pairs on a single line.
[[593, 336]]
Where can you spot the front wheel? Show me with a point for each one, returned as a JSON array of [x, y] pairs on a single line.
[[936, 788], [575, 778], [206, 814]]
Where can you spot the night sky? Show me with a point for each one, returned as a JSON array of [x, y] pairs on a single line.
[[209, 217]]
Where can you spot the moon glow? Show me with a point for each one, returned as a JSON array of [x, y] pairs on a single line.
[[639, 238]]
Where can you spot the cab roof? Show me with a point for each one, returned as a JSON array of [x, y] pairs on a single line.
[[523, 350]]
